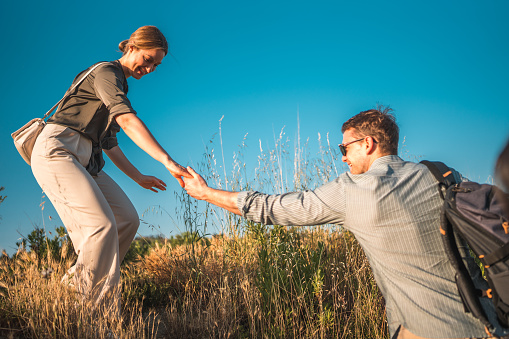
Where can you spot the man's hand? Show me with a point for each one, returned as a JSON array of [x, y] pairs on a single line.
[[178, 172], [195, 186], [151, 183]]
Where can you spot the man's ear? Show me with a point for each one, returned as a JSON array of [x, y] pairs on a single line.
[[371, 145]]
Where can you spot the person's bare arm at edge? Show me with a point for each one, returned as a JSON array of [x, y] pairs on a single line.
[[146, 181], [197, 188], [138, 132]]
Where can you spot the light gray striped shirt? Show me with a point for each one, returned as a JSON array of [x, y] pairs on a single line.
[[393, 210]]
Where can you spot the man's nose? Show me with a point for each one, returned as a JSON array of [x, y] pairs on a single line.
[[343, 158]]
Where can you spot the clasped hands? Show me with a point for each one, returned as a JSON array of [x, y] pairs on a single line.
[[197, 188], [193, 183]]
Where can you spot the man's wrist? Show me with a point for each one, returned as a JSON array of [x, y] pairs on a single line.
[[208, 195]]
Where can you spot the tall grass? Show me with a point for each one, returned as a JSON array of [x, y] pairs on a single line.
[[246, 281], [35, 304]]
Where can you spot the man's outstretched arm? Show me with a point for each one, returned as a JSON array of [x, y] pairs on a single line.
[[197, 188], [324, 205]]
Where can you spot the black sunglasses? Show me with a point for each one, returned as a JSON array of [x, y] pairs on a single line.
[[342, 147]]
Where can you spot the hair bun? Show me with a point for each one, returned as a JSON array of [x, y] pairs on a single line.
[[122, 45], [145, 37]]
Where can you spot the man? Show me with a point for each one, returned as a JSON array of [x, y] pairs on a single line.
[[393, 208]]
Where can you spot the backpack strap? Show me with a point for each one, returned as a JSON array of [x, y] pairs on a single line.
[[468, 292], [497, 255], [442, 173]]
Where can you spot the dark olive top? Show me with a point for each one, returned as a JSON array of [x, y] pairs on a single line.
[[91, 107]]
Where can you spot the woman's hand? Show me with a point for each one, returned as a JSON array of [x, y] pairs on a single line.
[[178, 172], [151, 183]]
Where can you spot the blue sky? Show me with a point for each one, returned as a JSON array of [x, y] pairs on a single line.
[[442, 66]]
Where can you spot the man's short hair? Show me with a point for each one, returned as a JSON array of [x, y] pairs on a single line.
[[380, 124]]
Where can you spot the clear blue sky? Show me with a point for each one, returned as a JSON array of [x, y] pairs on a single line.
[[443, 67]]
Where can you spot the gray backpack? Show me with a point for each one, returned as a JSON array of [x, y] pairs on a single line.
[[475, 212]]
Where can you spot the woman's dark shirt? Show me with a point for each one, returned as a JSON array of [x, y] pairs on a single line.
[[91, 107]]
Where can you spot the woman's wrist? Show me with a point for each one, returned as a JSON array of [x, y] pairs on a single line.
[[138, 179], [168, 162], [172, 166]]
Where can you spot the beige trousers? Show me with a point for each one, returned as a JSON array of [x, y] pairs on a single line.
[[99, 217]]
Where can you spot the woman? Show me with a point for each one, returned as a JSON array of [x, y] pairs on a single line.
[[67, 163]]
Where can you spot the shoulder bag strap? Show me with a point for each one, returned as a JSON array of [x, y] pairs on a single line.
[[48, 113]]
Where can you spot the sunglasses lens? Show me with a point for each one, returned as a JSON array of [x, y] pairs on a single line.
[[342, 149]]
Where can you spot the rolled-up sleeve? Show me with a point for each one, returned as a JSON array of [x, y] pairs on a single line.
[[111, 90], [324, 205]]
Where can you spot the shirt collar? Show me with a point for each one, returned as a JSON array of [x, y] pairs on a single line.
[[382, 161]]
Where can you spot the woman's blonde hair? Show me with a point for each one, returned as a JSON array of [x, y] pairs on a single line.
[[145, 37]]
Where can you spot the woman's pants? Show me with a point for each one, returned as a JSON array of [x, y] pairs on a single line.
[[99, 217]]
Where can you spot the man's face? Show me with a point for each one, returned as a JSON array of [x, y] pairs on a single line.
[[356, 153]]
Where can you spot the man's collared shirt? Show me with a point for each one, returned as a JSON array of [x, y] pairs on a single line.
[[394, 212]]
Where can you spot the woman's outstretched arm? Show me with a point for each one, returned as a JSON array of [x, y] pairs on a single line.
[[140, 134]]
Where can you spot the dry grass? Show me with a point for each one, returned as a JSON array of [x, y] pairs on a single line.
[[253, 281], [219, 296], [35, 304], [216, 293]]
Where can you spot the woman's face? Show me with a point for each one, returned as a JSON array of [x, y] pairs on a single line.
[[138, 62]]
